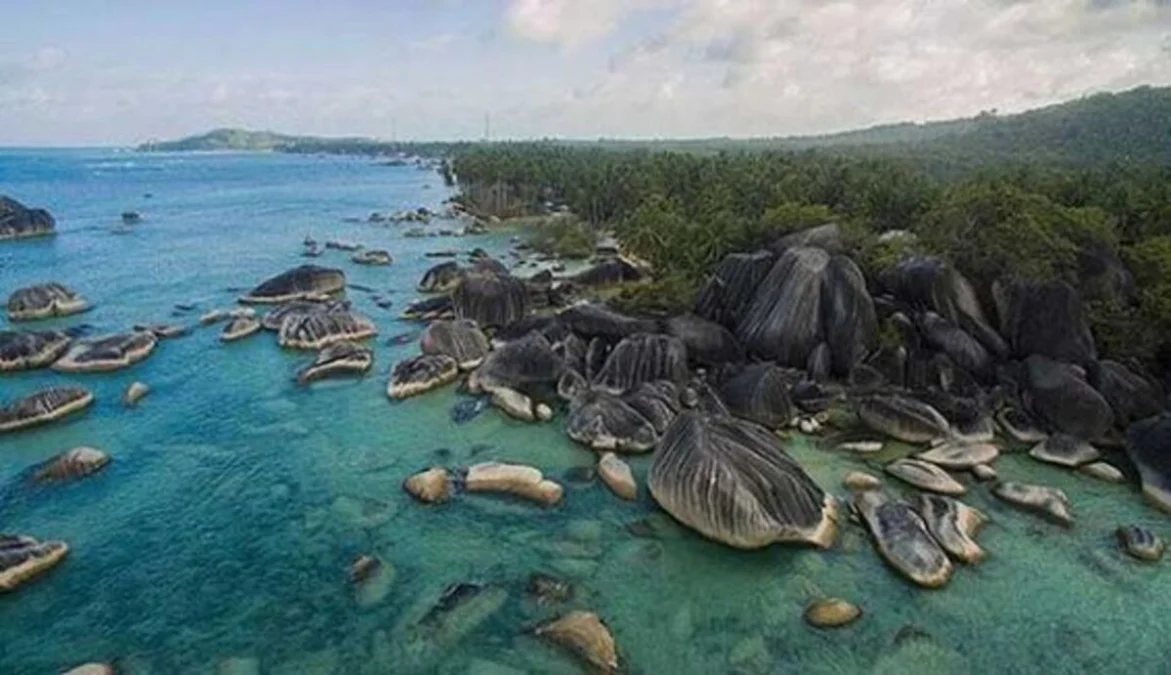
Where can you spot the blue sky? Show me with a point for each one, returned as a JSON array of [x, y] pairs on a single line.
[[78, 72]]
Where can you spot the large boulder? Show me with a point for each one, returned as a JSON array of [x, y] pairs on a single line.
[[441, 278], [491, 300], [708, 343], [317, 330], [43, 407], [784, 321], [964, 350], [299, 308], [732, 482], [18, 222], [903, 418], [460, 339], [520, 364], [430, 309], [71, 465], [730, 290], [44, 301], [1057, 394], [109, 353], [306, 281], [611, 272], [760, 394], [420, 375], [828, 237], [659, 402], [590, 320], [643, 358], [603, 421], [338, 358], [1131, 396], [931, 284], [23, 350], [847, 314], [550, 326], [24, 558], [1045, 319], [902, 538], [1148, 444]]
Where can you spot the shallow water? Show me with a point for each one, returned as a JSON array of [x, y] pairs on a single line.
[[236, 501]]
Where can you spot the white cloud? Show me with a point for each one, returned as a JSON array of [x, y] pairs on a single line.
[[571, 23]]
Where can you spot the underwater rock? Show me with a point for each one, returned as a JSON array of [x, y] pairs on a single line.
[[759, 393], [862, 447], [1020, 426], [373, 579], [105, 354], [339, 358], [467, 409], [18, 222], [902, 539], [1047, 502], [1104, 471], [707, 343], [491, 300], [732, 482], [1131, 396], [460, 339], [984, 473], [1064, 450], [372, 257], [44, 301], [860, 480], [584, 634], [832, 613], [1141, 543], [548, 590], [603, 421], [959, 456], [298, 308], [591, 320], [516, 479], [617, 476], [76, 463], [903, 418], [727, 295], [321, 329], [298, 283], [519, 406], [610, 272], [431, 486], [363, 568], [954, 525], [22, 558], [240, 328], [1044, 319], [643, 358], [421, 374], [25, 350], [925, 476], [43, 407], [135, 393], [1148, 445], [442, 278], [518, 365], [1057, 394], [92, 669]]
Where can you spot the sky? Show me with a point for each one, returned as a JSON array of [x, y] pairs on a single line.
[[102, 72]]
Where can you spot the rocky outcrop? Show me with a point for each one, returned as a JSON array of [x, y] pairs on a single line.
[[1057, 394], [903, 540], [135, 393], [529, 361], [590, 320], [730, 290], [1064, 450], [24, 558], [306, 281], [337, 359], [659, 402], [491, 300], [643, 358], [960, 456], [43, 407], [1141, 543], [44, 301], [460, 339], [1148, 444], [442, 278], [25, 350], [105, 354], [18, 222], [299, 308], [604, 421], [520, 406], [847, 315], [1045, 319], [732, 482], [421, 374], [708, 343], [321, 329], [760, 394], [71, 465]]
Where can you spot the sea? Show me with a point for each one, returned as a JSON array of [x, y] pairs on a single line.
[[220, 538]]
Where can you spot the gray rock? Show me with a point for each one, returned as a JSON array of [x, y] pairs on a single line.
[[1148, 444], [1064, 450], [1049, 503], [925, 476], [902, 539], [1058, 395], [959, 456], [1141, 543], [296, 284], [954, 526], [902, 418]]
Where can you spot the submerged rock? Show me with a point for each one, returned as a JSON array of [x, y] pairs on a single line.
[[163, 331], [903, 540], [460, 339], [92, 669], [25, 350], [902, 418], [759, 393], [44, 301], [43, 407], [105, 354], [298, 283], [1047, 502], [467, 409], [1148, 444], [372, 257], [18, 222], [373, 580], [515, 479], [549, 590], [421, 374], [339, 358], [321, 329], [431, 486], [1141, 543], [135, 393], [954, 525], [240, 328], [617, 476], [76, 463], [23, 558], [832, 613], [925, 476], [604, 421], [732, 482], [491, 300], [584, 634], [442, 278], [1064, 450], [960, 456]]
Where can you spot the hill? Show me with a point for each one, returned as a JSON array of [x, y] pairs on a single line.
[[223, 139]]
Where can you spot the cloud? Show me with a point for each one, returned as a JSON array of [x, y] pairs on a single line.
[[571, 23]]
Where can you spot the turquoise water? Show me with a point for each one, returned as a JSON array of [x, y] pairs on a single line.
[[237, 501]]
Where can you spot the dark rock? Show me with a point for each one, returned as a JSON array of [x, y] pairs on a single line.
[[903, 540], [891, 361], [728, 293], [460, 339], [298, 308], [643, 358], [490, 266], [518, 365], [732, 482], [550, 326], [784, 321], [320, 329], [467, 409], [18, 222], [24, 558], [820, 363], [590, 320], [610, 272], [339, 358], [925, 476], [1141, 543], [372, 257], [954, 525], [296, 284], [549, 590], [440, 307], [239, 328], [901, 417], [1020, 426], [44, 301], [71, 465], [1049, 503], [964, 350], [1148, 444], [420, 375], [658, 402], [43, 407], [597, 351], [491, 300], [1045, 319], [828, 237], [1058, 395], [1065, 450], [759, 394], [1130, 396], [708, 343], [603, 421], [847, 314], [105, 354], [24, 350]]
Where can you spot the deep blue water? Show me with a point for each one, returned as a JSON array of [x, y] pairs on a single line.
[[226, 525]]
